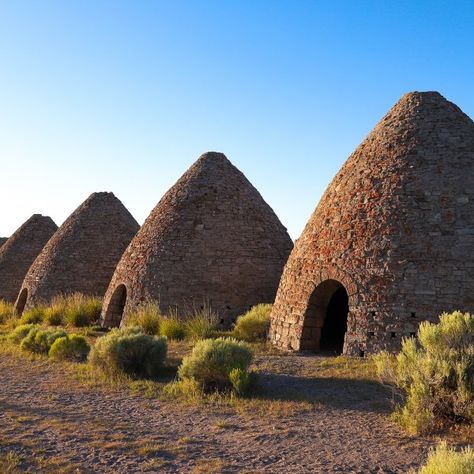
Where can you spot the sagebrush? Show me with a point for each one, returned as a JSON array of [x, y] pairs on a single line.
[[444, 460], [72, 347], [434, 373], [212, 361], [131, 351]]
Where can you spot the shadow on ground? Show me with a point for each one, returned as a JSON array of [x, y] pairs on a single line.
[[340, 393]]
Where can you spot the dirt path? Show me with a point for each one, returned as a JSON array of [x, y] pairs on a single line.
[[48, 419]]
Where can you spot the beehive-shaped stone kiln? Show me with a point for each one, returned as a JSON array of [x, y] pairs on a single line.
[[211, 241], [82, 254], [19, 252], [391, 242]]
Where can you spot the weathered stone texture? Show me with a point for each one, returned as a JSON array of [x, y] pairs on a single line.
[[82, 254], [395, 227], [211, 239], [3, 240], [19, 252]]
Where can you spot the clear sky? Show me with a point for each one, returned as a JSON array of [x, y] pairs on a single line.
[[124, 96]]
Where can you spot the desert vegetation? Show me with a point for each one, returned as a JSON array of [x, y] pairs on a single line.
[[433, 375], [189, 361]]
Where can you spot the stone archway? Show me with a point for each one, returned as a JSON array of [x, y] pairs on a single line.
[[114, 313], [325, 319], [21, 301]]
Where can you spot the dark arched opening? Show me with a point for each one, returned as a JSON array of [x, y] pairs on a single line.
[[325, 322], [21, 301], [114, 311]]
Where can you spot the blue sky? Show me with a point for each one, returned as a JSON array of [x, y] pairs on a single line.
[[124, 96]]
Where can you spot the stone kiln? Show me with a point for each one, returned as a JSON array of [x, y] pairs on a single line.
[[82, 254], [211, 240], [19, 252], [391, 242]]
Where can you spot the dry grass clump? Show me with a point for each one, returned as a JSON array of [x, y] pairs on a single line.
[[172, 327], [148, 317], [33, 316], [129, 351], [434, 374], [201, 323], [254, 324], [7, 311], [82, 310], [444, 460]]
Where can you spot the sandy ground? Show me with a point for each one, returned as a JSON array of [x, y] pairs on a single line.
[[47, 417]]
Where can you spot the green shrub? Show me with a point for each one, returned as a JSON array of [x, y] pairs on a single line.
[[172, 327], [40, 340], [434, 374], [20, 332], [254, 325], [33, 316], [147, 317], [7, 311], [212, 361], [131, 351], [201, 324], [240, 380], [72, 347], [444, 460], [82, 310]]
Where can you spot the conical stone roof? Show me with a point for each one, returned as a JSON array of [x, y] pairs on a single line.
[[395, 229], [211, 240], [82, 254], [19, 252]]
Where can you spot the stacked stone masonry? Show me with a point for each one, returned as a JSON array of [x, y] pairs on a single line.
[[19, 252], [82, 254], [395, 228], [211, 241]]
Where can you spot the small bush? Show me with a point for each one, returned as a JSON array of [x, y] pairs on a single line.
[[444, 460], [172, 327], [33, 316], [147, 317], [240, 380], [7, 311], [20, 332], [212, 361], [72, 347], [201, 324], [434, 374], [130, 351], [40, 340], [254, 325], [82, 310]]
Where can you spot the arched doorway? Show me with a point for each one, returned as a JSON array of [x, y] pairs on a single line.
[[114, 312], [21, 301], [325, 321]]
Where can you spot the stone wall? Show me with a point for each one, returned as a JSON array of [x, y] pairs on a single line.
[[395, 228], [19, 252], [82, 254], [211, 240]]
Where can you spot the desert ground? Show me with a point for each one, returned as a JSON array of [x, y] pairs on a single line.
[[308, 414]]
